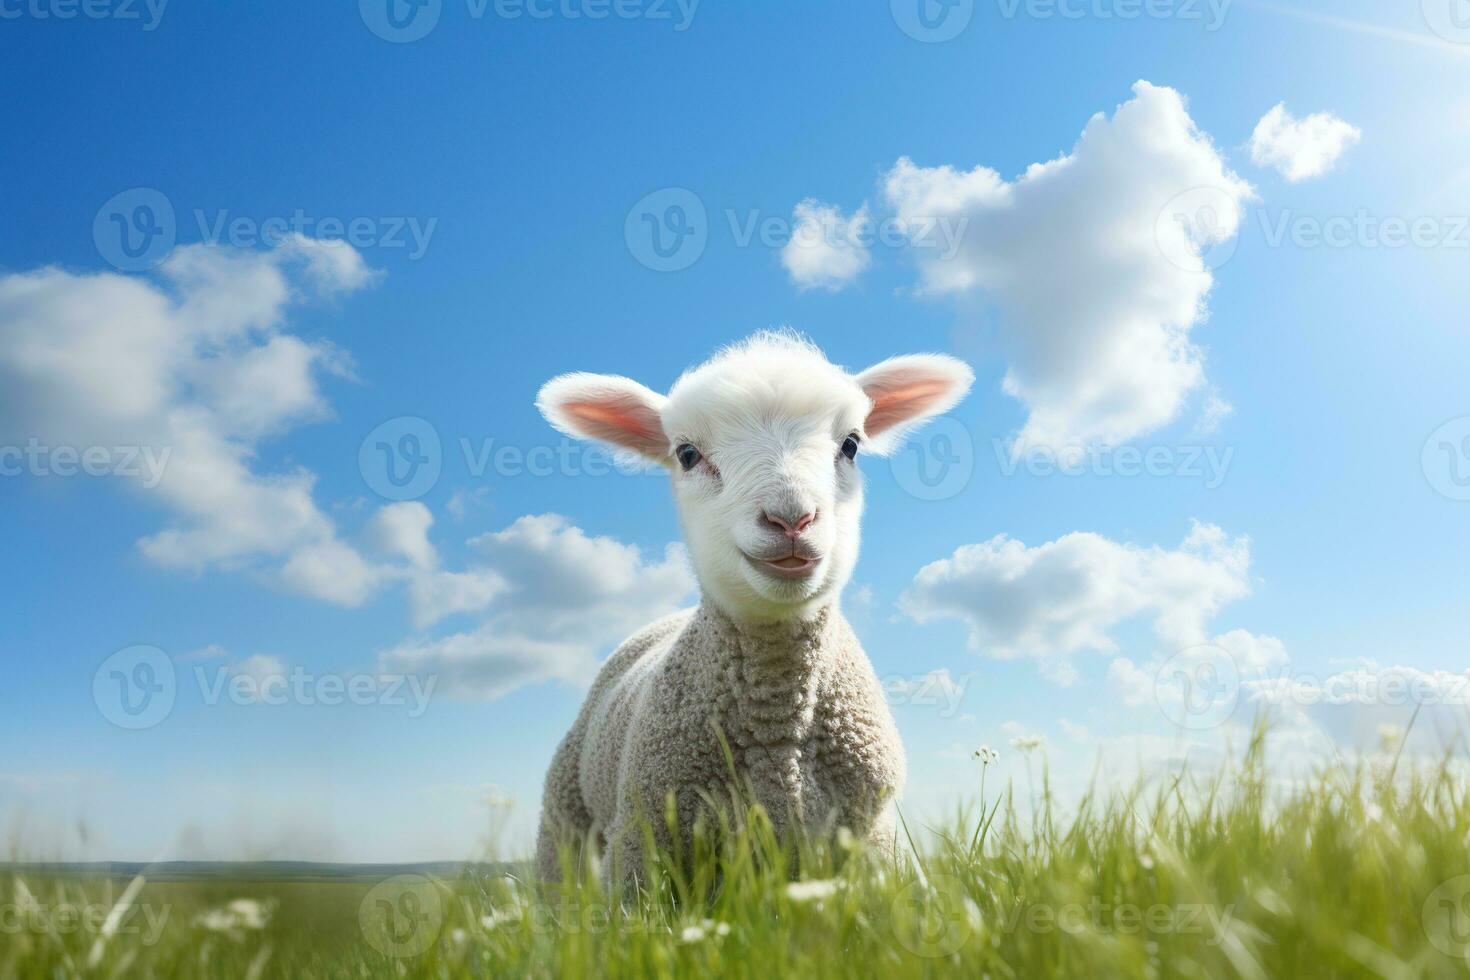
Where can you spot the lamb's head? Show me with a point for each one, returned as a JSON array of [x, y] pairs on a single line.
[[763, 443]]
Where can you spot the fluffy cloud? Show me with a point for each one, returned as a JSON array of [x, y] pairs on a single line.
[[1097, 260], [1301, 148], [195, 369], [1069, 594], [554, 598], [826, 250]]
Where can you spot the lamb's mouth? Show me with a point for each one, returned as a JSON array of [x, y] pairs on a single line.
[[790, 567]]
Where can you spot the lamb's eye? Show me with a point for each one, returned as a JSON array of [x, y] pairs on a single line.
[[850, 446], [688, 456]]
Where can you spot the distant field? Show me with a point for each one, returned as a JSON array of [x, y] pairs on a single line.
[[1344, 877]]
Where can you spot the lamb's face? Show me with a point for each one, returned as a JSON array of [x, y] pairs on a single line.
[[764, 444], [766, 476]]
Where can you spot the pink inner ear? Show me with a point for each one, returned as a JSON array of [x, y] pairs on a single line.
[[621, 419], [901, 397]]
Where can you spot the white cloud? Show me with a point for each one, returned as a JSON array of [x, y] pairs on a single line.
[[1069, 594], [553, 598], [1097, 283], [194, 369], [402, 529], [332, 571], [826, 250], [1301, 148]]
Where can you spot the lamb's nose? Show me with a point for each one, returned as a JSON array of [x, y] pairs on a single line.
[[789, 526]]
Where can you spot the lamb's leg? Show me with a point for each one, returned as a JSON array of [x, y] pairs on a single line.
[[565, 820]]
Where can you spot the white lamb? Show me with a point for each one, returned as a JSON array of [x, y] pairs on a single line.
[[761, 442]]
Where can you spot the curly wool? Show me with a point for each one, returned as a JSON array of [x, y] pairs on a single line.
[[797, 702]]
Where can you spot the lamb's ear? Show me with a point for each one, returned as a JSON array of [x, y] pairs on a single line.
[[609, 409], [906, 391]]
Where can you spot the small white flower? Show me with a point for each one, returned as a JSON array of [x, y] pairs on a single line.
[[986, 755], [1028, 743], [250, 913], [1147, 861], [458, 936], [702, 931], [811, 891], [1389, 736], [498, 918], [236, 918]]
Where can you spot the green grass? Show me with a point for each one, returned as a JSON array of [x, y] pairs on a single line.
[[1356, 873]]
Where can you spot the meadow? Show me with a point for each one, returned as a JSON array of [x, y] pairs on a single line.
[[1362, 871]]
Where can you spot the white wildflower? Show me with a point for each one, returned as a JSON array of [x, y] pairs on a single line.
[[811, 891], [987, 755], [236, 918], [1028, 743], [703, 930]]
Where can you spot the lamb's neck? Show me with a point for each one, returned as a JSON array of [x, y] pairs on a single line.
[[771, 671], [787, 644]]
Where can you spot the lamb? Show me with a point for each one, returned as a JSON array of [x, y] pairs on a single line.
[[761, 443]]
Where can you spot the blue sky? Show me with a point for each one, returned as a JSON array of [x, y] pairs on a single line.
[[491, 179]]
